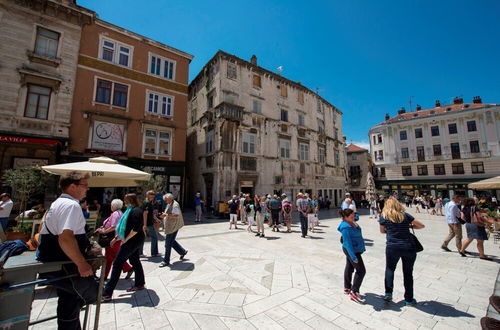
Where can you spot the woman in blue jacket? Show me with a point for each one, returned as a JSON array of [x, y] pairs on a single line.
[[353, 246]]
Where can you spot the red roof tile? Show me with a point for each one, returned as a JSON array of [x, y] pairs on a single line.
[[437, 111], [355, 148]]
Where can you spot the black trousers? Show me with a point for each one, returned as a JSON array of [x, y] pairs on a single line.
[[275, 215], [303, 224], [171, 243], [350, 266], [130, 251], [73, 293], [392, 257]]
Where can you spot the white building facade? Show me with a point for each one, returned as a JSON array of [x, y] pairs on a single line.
[[253, 131], [437, 151]]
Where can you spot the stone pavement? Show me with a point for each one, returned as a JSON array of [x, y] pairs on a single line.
[[234, 280]]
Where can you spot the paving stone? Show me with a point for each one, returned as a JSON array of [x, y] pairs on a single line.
[[204, 308], [264, 322], [270, 302], [181, 321], [209, 322]]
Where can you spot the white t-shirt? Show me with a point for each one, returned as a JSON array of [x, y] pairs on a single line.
[[64, 213], [7, 207], [353, 207]]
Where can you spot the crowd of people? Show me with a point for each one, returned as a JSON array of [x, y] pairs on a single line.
[[275, 210], [64, 236]]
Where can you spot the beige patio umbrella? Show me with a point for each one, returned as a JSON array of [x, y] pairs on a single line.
[[491, 183], [103, 171]]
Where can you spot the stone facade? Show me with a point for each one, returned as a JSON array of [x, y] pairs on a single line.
[[358, 167], [251, 130], [125, 108], [39, 42], [437, 151]]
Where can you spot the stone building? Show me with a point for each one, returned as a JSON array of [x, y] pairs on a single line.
[[131, 102], [255, 131], [358, 167], [39, 43], [437, 151]]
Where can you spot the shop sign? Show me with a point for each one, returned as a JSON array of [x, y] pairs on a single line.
[[20, 162], [108, 136], [21, 139], [154, 169], [246, 183], [394, 187], [441, 186], [385, 187], [175, 179], [407, 187]]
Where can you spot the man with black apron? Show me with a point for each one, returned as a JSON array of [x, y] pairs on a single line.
[[63, 238]]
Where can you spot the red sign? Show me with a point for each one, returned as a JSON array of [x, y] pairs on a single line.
[[22, 139]]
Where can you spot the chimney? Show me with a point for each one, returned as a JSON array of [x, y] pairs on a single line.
[[458, 100], [401, 111], [477, 99], [387, 117], [253, 60], [438, 103], [419, 107]]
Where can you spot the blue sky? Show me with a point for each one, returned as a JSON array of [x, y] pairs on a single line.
[[367, 57]]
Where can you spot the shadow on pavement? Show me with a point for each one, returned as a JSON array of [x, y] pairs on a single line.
[[315, 237], [378, 303], [182, 266], [440, 309], [153, 300], [272, 238]]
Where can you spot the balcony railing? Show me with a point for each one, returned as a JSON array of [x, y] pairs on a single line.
[[248, 164], [229, 111], [444, 156]]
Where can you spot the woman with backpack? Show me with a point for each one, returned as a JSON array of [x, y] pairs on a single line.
[[260, 206], [475, 231], [396, 224]]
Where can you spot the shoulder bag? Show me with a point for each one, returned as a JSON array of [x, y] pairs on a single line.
[[414, 241]]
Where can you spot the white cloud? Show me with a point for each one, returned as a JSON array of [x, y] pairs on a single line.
[[362, 144]]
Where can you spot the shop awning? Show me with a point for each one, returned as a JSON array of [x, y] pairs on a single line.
[[491, 183], [103, 172]]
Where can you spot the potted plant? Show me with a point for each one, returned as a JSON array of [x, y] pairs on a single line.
[[25, 182]]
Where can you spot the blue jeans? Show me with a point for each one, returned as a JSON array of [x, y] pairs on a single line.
[[170, 243], [303, 224], [4, 222], [392, 256], [154, 241]]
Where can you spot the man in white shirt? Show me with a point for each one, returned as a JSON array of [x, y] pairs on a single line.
[[6, 205], [63, 238], [452, 214]]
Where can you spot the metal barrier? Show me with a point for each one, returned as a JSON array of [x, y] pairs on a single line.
[[17, 290]]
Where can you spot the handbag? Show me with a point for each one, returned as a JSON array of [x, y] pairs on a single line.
[[415, 242], [475, 218], [105, 239]]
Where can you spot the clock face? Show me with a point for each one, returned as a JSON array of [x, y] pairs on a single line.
[[103, 131]]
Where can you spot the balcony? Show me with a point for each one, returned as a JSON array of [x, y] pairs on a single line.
[[248, 164], [444, 156], [229, 111]]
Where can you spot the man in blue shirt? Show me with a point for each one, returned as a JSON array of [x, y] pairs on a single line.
[[198, 202], [452, 214]]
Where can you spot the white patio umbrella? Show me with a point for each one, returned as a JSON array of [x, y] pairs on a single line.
[[491, 183], [103, 172]]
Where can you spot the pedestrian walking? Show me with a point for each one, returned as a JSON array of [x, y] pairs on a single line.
[[312, 217], [275, 208], [63, 238], [373, 208], [396, 223], [474, 231], [303, 207], [130, 230], [260, 210], [287, 207], [439, 206], [109, 228], [344, 203], [6, 205], [173, 221], [353, 246], [243, 215], [149, 207], [250, 216], [453, 218], [198, 204], [380, 203], [234, 204]]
